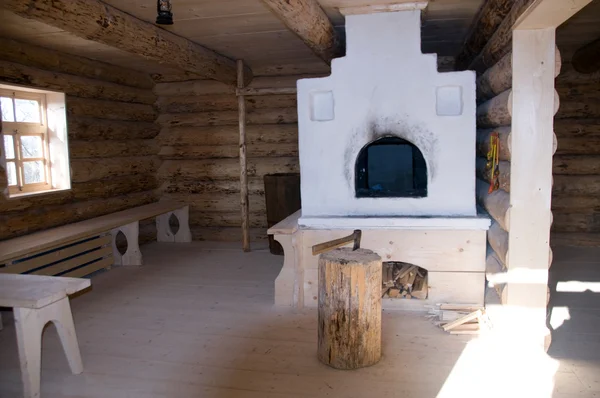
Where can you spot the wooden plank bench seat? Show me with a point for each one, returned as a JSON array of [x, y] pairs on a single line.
[[37, 300], [78, 249]]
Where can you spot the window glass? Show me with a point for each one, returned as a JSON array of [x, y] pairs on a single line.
[[9, 147], [33, 172], [27, 110], [8, 114], [11, 171], [31, 147]]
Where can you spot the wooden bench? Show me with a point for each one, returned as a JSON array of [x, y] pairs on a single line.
[[81, 248], [37, 300]]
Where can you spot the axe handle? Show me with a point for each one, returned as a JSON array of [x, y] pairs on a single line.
[[334, 244]]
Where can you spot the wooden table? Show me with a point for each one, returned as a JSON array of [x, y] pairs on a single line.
[[37, 300]]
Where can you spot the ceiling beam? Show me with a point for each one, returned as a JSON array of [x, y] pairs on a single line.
[[587, 59], [488, 19], [97, 21], [307, 19]]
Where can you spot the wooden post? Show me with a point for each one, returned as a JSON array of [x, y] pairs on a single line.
[[243, 160], [349, 308]]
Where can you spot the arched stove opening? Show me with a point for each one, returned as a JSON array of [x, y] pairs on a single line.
[[390, 167]]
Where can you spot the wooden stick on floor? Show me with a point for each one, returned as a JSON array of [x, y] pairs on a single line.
[[243, 160]]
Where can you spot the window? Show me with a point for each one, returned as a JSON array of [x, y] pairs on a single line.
[[27, 139], [391, 167]]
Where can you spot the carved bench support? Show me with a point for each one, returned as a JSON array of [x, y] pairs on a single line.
[[164, 231], [133, 255]]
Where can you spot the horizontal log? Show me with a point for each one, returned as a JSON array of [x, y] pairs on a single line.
[[569, 75], [226, 168], [493, 264], [227, 234], [110, 110], [574, 239], [222, 102], [577, 128], [579, 146], [265, 91], [577, 222], [22, 223], [498, 240], [228, 151], [565, 185], [72, 85], [504, 176], [91, 129], [226, 219], [192, 185], [210, 87], [83, 170], [576, 165], [215, 202], [504, 136], [228, 135], [99, 149], [498, 78], [579, 108], [115, 186], [255, 116], [43, 58], [496, 203], [575, 204], [586, 60], [497, 111]]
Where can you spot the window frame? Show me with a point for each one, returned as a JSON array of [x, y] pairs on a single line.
[[27, 129]]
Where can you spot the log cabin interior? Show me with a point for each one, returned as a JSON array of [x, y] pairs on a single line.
[[276, 198]]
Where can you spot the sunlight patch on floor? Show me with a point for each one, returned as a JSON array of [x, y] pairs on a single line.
[[577, 287]]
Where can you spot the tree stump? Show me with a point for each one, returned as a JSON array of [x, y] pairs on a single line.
[[349, 308]]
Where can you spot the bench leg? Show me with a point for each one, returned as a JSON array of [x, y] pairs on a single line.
[[133, 255], [29, 327], [163, 227]]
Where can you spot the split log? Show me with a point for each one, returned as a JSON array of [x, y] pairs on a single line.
[[226, 168], [227, 234], [194, 185], [83, 128], [228, 135], [40, 57], [488, 19], [587, 59], [420, 289], [110, 110], [576, 165], [100, 149], [22, 223], [222, 102], [504, 173], [349, 308], [498, 110], [73, 85], [113, 27], [228, 151], [505, 139], [84, 170], [496, 203], [493, 264], [501, 41], [219, 202], [498, 78], [576, 186], [498, 240], [255, 116], [307, 19]]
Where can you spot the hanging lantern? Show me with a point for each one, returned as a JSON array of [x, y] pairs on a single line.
[[165, 16]]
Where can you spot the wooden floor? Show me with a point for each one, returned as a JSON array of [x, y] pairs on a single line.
[[195, 322]]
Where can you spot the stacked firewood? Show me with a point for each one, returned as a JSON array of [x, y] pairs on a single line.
[[402, 280], [460, 318]]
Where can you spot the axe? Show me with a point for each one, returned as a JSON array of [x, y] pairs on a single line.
[[334, 244]]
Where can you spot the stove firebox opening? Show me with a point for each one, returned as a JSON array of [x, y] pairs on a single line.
[[391, 167]]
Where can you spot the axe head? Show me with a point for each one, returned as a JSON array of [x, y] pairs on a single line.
[[357, 237]]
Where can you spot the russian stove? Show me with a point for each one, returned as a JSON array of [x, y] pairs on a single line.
[[387, 145]]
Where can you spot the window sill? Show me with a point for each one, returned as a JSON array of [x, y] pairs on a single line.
[[37, 193]]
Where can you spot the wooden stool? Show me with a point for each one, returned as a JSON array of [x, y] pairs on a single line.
[[37, 300], [349, 308]]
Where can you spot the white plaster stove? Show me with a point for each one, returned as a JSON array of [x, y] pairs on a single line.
[[387, 145]]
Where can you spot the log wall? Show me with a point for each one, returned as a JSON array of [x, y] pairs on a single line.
[[113, 153], [199, 149], [576, 191]]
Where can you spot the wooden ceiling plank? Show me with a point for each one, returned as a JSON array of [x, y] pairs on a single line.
[[307, 19], [488, 19], [97, 21]]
